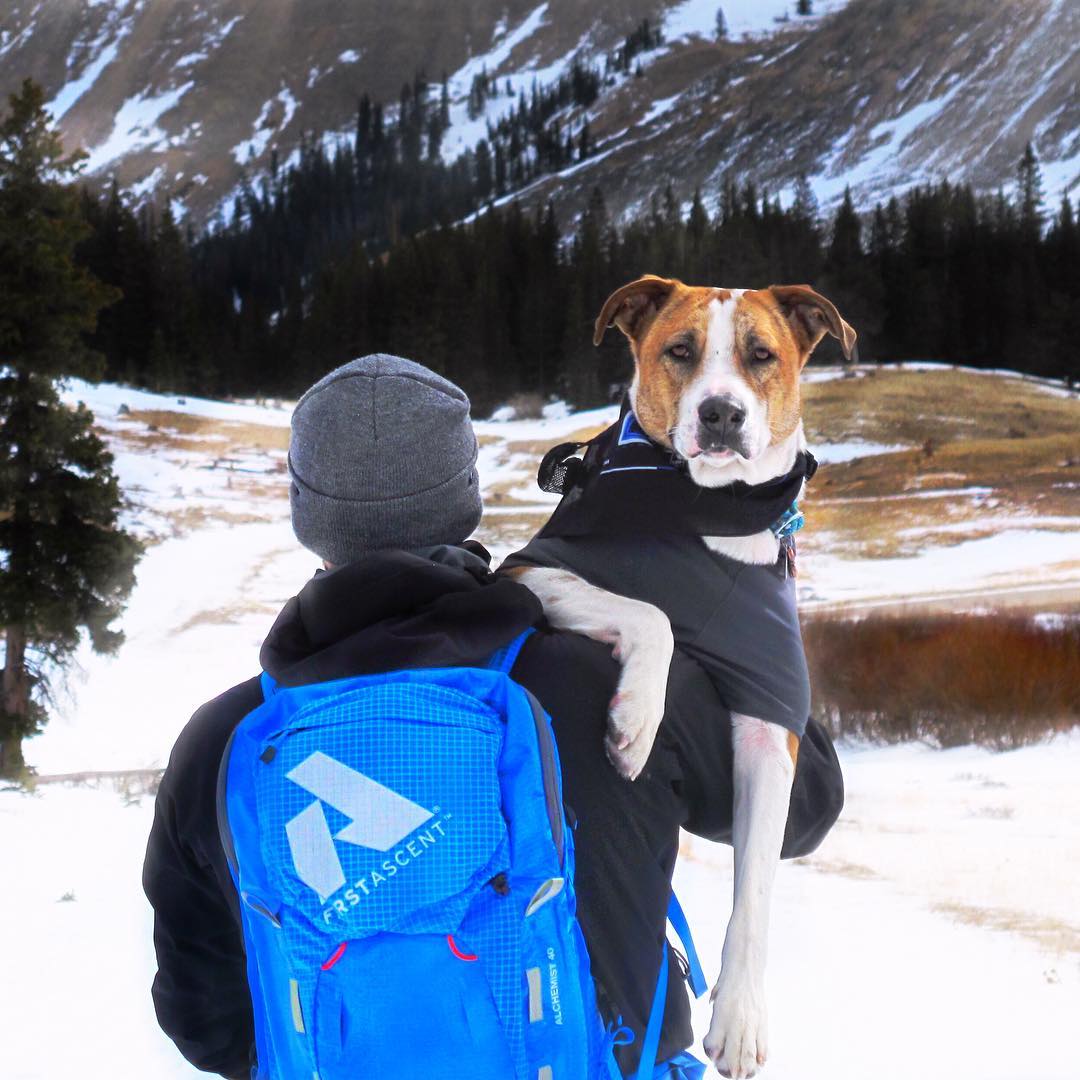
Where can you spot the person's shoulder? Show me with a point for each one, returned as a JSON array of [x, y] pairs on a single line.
[[202, 741]]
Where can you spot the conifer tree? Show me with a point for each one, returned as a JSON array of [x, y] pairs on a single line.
[[65, 565], [805, 205], [1029, 182]]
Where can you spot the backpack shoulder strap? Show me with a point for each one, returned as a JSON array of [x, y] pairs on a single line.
[[505, 658], [268, 685]]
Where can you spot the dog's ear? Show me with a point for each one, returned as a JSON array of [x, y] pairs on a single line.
[[632, 307], [812, 316]]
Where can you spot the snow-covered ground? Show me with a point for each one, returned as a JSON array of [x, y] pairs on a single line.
[[935, 935], [741, 17]]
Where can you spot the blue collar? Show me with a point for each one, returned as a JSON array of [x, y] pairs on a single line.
[[789, 522]]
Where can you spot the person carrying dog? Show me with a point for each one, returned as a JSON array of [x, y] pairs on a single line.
[[384, 491]]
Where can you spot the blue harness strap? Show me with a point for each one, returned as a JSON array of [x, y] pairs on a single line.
[[683, 1065], [677, 918]]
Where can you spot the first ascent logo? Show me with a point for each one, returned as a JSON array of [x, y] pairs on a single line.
[[380, 819]]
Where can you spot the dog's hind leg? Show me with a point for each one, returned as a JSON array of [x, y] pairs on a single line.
[[737, 1042], [640, 635]]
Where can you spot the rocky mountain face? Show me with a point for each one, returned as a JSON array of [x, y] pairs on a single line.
[[180, 99]]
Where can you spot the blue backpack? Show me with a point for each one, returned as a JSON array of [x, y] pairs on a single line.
[[406, 871]]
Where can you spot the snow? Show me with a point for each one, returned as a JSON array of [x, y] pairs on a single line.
[[464, 133], [349, 56], [1014, 556], [135, 126], [919, 940], [264, 131], [549, 427], [934, 934], [834, 453], [105, 399], [147, 184], [190, 59], [72, 91], [698, 17], [88, 959], [658, 108]]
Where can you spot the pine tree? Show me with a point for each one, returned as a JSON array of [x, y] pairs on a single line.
[[845, 244], [805, 206], [721, 25], [65, 565], [804, 7], [1029, 183]]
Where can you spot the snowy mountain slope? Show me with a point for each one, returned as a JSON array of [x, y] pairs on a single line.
[[879, 96], [934, 934], [177, 100]]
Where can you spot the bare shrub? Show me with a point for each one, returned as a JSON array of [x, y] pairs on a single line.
[[998, 680]]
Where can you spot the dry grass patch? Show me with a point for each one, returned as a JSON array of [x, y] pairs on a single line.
[[191, 518], [1013, 442], [1053, 934], [1000, 680], [227, 615], [882, 503], [896, 406], [215, 433], [839, 868], [514, 530]]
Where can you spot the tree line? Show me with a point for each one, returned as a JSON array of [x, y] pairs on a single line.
[[304, 278]]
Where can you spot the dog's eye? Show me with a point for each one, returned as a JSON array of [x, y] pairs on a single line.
[[679, 352], [761, 355]]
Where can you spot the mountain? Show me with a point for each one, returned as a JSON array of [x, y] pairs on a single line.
[[179, 101]]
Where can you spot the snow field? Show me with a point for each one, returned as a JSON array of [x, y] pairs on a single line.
[[933, 936]]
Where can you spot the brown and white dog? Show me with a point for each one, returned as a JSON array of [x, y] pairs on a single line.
[[717, 380]]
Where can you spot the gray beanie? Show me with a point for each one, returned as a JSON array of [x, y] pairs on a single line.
[[382, 455]]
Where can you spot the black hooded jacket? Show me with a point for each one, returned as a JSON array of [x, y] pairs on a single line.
[[396, 610]]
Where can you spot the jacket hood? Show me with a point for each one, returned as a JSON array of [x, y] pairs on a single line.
[[394, 610]]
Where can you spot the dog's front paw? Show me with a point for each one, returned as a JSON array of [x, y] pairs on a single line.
[[632, 723], [643, 644], [737, 1043]]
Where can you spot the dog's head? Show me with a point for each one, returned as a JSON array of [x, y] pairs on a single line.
[[717, 370]]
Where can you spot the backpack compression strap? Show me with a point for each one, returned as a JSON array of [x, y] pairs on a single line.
[[651, 1044]]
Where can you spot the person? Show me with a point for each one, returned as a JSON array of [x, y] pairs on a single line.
[[384, 490]]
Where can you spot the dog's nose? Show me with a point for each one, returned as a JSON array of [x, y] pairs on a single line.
[[722, 414]]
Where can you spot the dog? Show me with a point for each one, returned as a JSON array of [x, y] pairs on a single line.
[[716, 382]]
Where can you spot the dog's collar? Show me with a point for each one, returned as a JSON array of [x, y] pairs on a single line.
[[627, 482], [789, 522]]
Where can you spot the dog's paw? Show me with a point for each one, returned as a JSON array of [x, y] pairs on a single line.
[[632, 726], [636, 710], [737, 1042], [643, 644]]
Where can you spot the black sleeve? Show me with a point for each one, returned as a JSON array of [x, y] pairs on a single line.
[[200, 991]]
